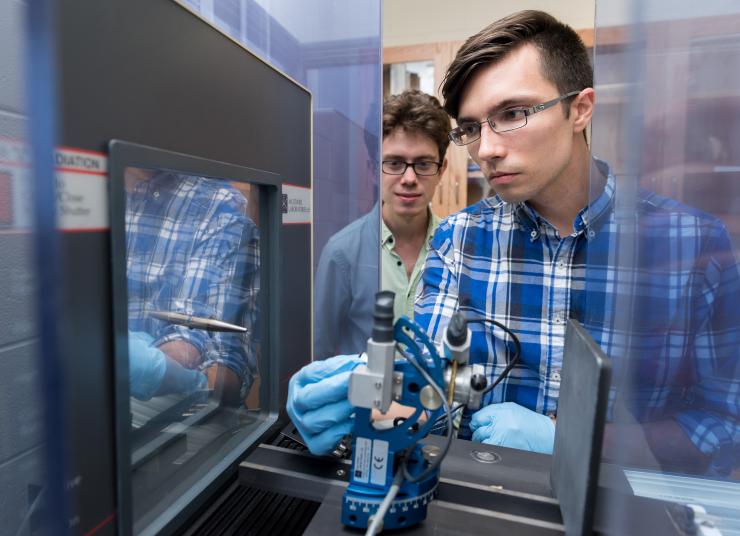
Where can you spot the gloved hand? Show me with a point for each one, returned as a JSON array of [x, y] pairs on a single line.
[[318, 404], [510, 425], [146, 364], [151, 372]]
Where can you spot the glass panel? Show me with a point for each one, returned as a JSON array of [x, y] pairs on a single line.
[[193, 273], [334, 49], [31, 496], [662, 277], [22, 474]]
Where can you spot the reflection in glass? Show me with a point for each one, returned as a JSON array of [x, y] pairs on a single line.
[[669, 123], [398, 77], [192, 262], [299, 38]]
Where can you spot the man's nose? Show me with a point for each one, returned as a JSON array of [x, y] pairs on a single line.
[[409, 176], [491, 144]]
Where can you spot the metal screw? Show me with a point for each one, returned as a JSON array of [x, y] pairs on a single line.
[[378, 385], [340, 472], [430, 452], [429, 398], [484, 456]]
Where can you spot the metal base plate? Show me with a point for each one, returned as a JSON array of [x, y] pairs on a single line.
[[511, 495]]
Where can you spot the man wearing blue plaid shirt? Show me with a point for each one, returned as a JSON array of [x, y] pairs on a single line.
[[657, 290], [545, 249], [190, 248]]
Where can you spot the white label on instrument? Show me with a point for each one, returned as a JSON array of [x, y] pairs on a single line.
[[296, 204], [380, 461], [363, 453], [82, 190]]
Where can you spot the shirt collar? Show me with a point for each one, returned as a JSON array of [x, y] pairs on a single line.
[[386, 236], [588, 220], [592, 217]]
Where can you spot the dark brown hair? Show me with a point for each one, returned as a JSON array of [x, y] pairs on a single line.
[[415, 111], [563, 57]]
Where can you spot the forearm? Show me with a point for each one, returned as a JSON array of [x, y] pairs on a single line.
[[226, 383], [183, 352], [221, 379]]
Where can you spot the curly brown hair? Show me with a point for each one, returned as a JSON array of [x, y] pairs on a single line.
[[564, 59], [419, 112]]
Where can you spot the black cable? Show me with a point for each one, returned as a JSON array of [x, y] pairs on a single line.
[[509, 366], [517, 351]]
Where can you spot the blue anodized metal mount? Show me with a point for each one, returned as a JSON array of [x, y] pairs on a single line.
[[377, 454]]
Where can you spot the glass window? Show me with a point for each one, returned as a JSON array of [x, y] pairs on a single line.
[[662, 279], [193, 278], [32, 432], [332, 48]]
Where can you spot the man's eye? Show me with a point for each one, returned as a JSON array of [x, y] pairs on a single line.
[[469, 129], [513, 114], [394, 165], [424, 166]]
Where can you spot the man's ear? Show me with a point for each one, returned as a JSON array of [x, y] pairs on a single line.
[[582, 109], [443, 167]]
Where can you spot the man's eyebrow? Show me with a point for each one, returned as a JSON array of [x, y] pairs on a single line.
[[523, 100], [418, 158]]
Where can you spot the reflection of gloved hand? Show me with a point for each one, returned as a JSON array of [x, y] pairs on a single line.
[[147, 365], [514, 426], [318, 404], [151, 372]]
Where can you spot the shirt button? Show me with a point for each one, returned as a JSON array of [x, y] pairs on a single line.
[[558, 319], [555, 375], [390, 240], [533, 234], [399, 263], [591, 233], [156, 193]]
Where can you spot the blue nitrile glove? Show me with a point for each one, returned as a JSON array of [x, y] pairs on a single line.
[[510, 425], [151, 372], [318, 404], [146, 365]]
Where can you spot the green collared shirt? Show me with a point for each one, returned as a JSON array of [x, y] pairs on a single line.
[[393, 273]]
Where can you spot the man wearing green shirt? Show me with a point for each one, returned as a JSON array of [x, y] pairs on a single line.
[[415, 140], [398, 276]]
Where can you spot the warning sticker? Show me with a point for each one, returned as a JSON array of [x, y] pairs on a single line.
[[378, 473], [82, 190], [296, 204], [363, 452]]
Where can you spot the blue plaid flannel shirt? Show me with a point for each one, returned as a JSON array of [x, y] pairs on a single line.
[[503, 261], [191, 248]]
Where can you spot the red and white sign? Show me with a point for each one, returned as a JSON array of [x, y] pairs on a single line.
[[82, 190]]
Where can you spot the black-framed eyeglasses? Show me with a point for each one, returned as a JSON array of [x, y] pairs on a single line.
[[422, 169], [502, 121]]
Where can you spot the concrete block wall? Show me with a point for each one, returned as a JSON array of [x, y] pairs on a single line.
[[21, 418]]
